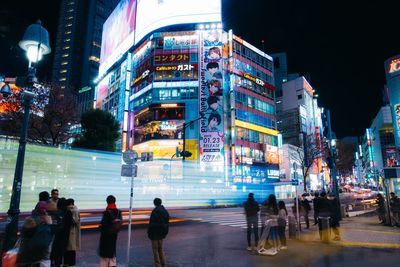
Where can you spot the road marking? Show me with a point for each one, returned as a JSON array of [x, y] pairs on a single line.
[[367, 244], [373, 231]]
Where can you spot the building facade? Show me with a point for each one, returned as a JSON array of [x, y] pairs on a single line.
[[77, 52], [193, 87]]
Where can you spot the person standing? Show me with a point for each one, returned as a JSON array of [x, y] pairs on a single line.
[[306, 207], [61, 230], [282, 219], [157, 231], [251, 209], [395, 207], [316, 207], [109, 228], [381, 208], [335, 217], [74, 234]]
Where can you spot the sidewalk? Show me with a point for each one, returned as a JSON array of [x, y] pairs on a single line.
[[359, 231]]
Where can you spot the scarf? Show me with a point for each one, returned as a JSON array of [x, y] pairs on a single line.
[[111, 206]]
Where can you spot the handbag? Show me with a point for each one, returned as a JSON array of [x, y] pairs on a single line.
[[9, 258]]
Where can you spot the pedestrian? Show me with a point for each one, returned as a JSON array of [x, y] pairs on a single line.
[[316, 207], [74, 234], [270, 231], [395, 208], [251, 209], [335, 217], [381, 209], [157, 231], [61, 236], [301, 211], [40, 209], [324, 212], [306, 208], [282, 219], [109, 228]]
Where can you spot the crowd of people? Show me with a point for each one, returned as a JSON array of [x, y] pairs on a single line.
[[274, 217], [388, 215], [51, 236]]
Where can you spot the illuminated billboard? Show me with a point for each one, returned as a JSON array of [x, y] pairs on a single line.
[[101, 91], [172, 12], [118, 34]]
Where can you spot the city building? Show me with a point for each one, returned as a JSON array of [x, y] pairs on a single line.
[[378, 144], [179, 82], [300, 123], [78, 43]]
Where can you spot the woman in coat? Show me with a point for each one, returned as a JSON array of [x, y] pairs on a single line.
[[74, 234]]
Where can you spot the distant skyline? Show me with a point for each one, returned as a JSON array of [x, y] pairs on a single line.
[[341, 45]]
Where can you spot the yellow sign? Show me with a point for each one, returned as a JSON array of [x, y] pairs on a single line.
[[257, 128], [394, 65]]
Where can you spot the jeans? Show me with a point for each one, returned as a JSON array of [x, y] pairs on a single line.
[[282, 235], [158, 253], [252, 225]]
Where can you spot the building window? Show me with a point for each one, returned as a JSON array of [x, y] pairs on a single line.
[[71, 10], [62, 79], [66, 47], [94, 58], [62, 87], [70, 17], [68, 32], [63, 71], [65, 55], [69, 25], [299, 96], [64, 63], [96, 44], [67, 40]]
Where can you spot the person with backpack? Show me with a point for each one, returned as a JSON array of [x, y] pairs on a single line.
[[109, 228], [157, 231]]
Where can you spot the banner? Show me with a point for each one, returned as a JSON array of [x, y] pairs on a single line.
[[211, 97]]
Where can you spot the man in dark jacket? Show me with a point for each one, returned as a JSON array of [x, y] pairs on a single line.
[[157, 231], [251, 209]]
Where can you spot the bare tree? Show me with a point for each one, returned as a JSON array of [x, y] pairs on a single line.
[[53, 112], [307, 155]]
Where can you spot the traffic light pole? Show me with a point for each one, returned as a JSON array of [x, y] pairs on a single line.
[[185, 125], [333, 164]]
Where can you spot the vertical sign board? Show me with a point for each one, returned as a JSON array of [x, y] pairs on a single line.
[[211, 97]]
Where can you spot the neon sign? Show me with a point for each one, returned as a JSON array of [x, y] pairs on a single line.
[[394, 65]]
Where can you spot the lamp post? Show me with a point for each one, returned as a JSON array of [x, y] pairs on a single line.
[[36, 44]]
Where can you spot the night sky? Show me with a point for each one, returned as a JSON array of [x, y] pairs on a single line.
[[341, 44]]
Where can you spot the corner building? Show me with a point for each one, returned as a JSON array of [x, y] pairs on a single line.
[[191, 83]]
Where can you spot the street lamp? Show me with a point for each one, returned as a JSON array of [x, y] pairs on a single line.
[[36, 44]]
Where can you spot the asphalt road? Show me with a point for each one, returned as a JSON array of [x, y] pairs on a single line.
[[194, 243]]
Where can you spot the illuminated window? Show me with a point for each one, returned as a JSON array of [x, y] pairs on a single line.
[[63, 71], [71, 10], [69, 25], [70, 17], [67, 40], [62, 79], [66, 47], [65, 55], [95, 59], [71, 3], [68, 32], [62, 87], [64, 63]]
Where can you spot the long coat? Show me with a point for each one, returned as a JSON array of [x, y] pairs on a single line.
[[108, 241], [74, 242]]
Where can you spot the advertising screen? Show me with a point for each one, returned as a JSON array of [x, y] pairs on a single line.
[[172, 12], [118, 34], [102, 91]]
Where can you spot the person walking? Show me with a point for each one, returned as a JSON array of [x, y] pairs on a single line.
[[157, 231], [381, 208], [109, 228], [251, 209], [395, 208], [335, 217], [74, 233], [270, 231], [282, 219]]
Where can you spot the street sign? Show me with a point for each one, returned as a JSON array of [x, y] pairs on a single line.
[[295, 182], [129, 170], [130, 156]]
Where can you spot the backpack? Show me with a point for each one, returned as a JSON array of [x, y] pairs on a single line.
[[116, 223]]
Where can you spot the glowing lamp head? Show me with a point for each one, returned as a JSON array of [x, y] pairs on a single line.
[[35, 42]]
